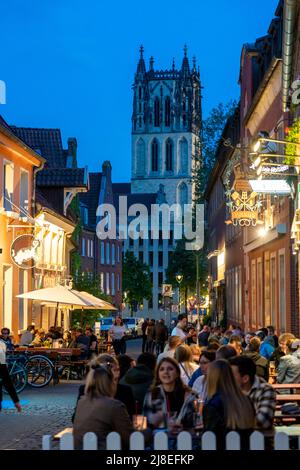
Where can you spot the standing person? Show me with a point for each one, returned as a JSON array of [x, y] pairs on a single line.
[[118, 332], [180, 328], [5, 379], [144, 335], [168, 394], [226, 408], [93, 346], [203, 336], [150, 332], [161, 335]]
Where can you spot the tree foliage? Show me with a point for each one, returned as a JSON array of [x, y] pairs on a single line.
[[84, 282], [212, 128], [136, 280]]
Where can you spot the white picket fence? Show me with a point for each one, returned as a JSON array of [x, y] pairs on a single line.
[[184, 441]]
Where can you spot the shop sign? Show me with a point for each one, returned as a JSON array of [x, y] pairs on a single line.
[[24, 251], [271, 187]]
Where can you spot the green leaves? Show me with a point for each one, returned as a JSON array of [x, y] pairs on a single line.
[[136, 280]]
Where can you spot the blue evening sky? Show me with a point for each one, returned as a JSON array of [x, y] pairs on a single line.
[[70, 64]]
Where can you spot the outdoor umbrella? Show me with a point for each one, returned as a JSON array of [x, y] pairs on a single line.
[[63, 296]]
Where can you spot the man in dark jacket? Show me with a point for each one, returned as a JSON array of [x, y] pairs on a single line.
[[140, 377], [144, 336], [261, 363], [160, 335]]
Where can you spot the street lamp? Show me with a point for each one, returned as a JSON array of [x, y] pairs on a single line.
[[179, 278]]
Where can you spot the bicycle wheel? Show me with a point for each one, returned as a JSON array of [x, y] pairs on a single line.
[[39, 371], [18, 376]]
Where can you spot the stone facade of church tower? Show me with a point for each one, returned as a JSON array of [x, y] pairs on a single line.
[[166, 123]]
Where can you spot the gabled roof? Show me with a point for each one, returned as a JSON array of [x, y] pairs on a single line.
[[91, 197], [62, 177], [47, 142]]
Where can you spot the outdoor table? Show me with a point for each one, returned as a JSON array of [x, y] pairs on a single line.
[[288, 397], [291, 387]]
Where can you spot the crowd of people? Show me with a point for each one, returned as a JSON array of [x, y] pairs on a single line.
[[218, 375]]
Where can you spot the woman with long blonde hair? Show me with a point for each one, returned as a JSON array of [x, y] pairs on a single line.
[[226, 407]]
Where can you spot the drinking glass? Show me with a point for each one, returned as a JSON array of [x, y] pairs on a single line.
[[139, 422]]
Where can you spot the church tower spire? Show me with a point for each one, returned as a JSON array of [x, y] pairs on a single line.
[[141, 68], [185, 68]]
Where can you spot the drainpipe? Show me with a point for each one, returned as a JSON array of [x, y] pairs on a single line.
[[289, 20], [35, 171]]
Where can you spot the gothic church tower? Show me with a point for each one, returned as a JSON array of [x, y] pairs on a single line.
[[166, 123]]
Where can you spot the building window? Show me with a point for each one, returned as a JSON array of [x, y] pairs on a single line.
[[113, 290], [107, 253], [253, 293], [102, 253], [267, 319], [171, 239], [259, 293], [102, 282], [118, 253], [83, 250], [92, 249], [24, 188], [282, 294], [154, 155], [8, 186], [167, 111], [113, 256], [156, 112], [7, 296], [273, 292], [140, 92], [160, 259], [119, 283], [160, 279], [182, 194], [183, 155], [140, 158], [169, 155], [151, 258], [107, 284]]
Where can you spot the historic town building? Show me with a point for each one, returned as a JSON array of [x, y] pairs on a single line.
[[166, 122]]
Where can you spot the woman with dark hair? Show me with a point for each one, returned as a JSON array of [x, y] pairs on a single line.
[[226, 407], [168, 395], [117, 333], [200, 385]]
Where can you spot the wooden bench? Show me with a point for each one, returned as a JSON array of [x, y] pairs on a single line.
[[287, 397]]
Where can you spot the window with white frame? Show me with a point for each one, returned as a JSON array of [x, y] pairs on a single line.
[[107, 284], [24, 189], [113, 254], [113, 291], [118, 255], [102, 253], [92, 249], [107, 253], [8, 185], [282, 291], [83, 250], [102, 282]]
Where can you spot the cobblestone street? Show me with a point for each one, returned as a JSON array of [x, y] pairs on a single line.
[[44, 411]]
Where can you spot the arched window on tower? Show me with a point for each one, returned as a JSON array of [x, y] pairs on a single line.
[[156, 112], [169, 155], [140, 92], [154, 155], [140, 158], [167, 111], [182, 194], [183, 156]]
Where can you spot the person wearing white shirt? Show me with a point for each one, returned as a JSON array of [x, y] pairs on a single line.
[[180, 327]]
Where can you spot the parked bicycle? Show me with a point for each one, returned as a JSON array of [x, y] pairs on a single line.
[[35, 370]]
